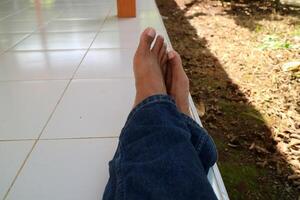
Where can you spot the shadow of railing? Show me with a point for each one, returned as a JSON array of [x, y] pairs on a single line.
[[248, 158]]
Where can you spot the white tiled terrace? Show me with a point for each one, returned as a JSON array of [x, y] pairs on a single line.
[[66, 88]]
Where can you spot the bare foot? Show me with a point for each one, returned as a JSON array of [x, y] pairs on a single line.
[[177, 82], [147, 66]]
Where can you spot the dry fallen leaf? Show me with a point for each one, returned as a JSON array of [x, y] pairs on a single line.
[[291, 66], [294, 176], [200, 109]]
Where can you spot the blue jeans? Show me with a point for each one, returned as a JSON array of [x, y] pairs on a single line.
[[162, 154]]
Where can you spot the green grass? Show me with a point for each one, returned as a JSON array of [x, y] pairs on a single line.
[[221, 145], [208, 82], [254, 114], [258, 28], [228, 107], [296, 32], [240, 179], [274, 42], [242, 111], [279, 41]]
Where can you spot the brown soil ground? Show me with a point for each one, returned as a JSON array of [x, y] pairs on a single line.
[[234, 56]]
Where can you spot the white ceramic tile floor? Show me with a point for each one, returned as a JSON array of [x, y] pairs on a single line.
[[101, 9], [57, 41], [5, 14], [92, 108], [33, 15], [26, 106], [12, 7], [116, 40], [73, 26], [7, 26], [141, 13], [145, 5], [148, 14], [79, 13], [12, 154], [75, 121], [9, 40], [39, 65], [112, 23], [73, 3], [122, 40], [107, 63], [65, 170]]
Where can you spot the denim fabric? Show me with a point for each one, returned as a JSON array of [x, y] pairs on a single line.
[[162, 154]]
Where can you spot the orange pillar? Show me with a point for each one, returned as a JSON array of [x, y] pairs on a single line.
[[126, 8]]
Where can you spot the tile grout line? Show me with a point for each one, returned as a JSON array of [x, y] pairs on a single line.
[[68, 79], [34, 144], [52, 113], [10, 49], [12, 14], [95, 37], [29, 34], [82, 49], [57, 139]]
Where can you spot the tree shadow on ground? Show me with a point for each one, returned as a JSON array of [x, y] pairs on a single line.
[[248, 13], [250, 165]]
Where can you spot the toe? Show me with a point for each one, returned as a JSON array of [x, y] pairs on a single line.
[[162, 53], [146, 39], [164, 64], [175, 60], [177, 68], [168, 78], [179, 84], [158, 45]]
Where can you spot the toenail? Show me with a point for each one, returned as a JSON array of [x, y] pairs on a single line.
[[151, 32]]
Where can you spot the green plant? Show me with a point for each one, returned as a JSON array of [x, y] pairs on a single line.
[[274, 42]]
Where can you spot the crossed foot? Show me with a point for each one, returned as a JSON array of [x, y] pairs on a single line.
[[158, 71]]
